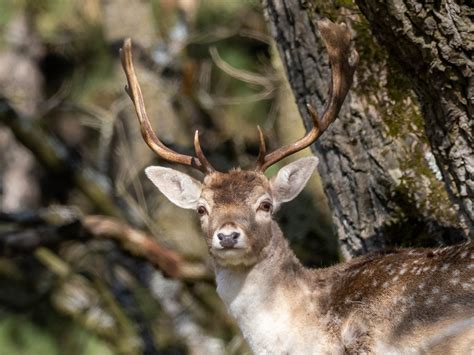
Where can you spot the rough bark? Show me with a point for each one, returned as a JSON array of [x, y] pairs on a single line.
[[434, 43], [362, 164]]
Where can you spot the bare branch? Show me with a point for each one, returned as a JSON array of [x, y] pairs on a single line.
[[56, 157], [136, 242], [47, 228]]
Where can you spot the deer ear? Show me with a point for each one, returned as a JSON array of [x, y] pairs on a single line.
[[179, 188], [292, 178]]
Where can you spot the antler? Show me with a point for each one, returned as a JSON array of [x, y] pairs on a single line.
[[343, 61], [133, 90]]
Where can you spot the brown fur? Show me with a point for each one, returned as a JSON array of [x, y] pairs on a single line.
[[234, 187], [407, 291]]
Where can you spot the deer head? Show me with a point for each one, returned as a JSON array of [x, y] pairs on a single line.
[[236, 207]]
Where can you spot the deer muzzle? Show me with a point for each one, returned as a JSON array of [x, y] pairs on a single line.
[[228, 240], [229, 236]]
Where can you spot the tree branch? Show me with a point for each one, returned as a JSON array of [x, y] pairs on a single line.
[[26, 231], [54, 155]]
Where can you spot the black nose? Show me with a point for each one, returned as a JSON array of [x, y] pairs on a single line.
[[228, 240]]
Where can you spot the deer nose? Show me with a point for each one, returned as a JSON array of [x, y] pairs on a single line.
[[228, 240]]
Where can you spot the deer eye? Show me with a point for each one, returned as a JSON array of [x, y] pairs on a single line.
[[265, 206], [201, 210]]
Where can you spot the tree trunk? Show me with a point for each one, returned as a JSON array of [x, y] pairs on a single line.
[[434, 43], [374, 170]]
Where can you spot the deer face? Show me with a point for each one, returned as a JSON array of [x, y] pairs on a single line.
[[235, 208]]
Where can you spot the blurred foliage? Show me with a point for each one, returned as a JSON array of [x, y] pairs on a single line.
[[19, 335]]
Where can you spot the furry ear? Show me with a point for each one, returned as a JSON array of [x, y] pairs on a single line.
[[292, 178], [178, 187]]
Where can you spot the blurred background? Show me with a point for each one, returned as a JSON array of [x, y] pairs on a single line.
[[93, 260]]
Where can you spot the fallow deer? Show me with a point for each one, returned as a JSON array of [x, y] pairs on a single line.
[[405, 301]]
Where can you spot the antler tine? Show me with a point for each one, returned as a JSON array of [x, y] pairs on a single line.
[[262, 151], [134, 91], [343, 61], [207, 167]]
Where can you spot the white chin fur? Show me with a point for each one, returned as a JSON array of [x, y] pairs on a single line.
[[232, 257]]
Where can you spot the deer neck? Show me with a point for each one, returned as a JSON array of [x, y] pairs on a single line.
[[235, 283], [272, 299]]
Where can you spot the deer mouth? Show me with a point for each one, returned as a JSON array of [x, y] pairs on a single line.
[[229, 248], [233, 256], [229, 252]]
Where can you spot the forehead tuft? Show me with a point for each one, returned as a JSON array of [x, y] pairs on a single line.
[[235, 186]]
